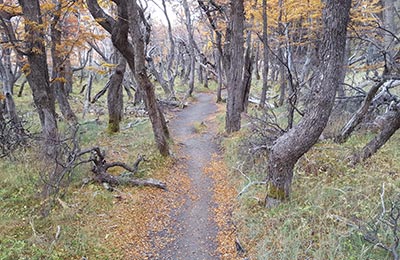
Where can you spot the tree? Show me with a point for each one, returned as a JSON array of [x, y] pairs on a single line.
[[235, 85], [389, 125], [59, 55], [130, 18], [289, 147], [37, 70], [191, 47], [265, 68], [114, 95]]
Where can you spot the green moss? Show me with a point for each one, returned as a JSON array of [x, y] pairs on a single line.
[[276, 192], [113, 127]]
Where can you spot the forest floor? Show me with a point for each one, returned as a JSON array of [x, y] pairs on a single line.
[[193, 218]]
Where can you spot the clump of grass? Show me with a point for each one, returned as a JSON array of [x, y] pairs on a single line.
[[199, 127]]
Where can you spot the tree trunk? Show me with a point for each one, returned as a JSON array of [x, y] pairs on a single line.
[[265, 68], [157, 119], [283, 83], [58, 70], [256, 63], [356, 119], [288, 148], [191, 47], [205, 82], [38, 76], [235, 85], [139, 96], [129, 19], [68, 76], [247, 72], [389, 127], [8, 83], [200, 74], [282, 69], [171, 54], [88, 89], [220, 75], [115, 97], [159, 76]]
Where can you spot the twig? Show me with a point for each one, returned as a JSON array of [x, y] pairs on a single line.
[[250, 182]]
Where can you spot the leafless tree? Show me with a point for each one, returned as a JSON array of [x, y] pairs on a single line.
[[130, 18]]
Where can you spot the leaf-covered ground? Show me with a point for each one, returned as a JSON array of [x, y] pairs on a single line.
[[192, 219]]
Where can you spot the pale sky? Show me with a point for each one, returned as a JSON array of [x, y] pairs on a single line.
[[158, 15]]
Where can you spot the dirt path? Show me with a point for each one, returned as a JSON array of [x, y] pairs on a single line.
[[194, 230], [193, 219]]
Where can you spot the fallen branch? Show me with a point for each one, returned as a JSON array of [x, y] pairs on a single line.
[[249, 182], [101, 175]]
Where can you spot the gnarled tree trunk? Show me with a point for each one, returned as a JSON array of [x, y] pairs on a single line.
[[38, 76], [390, 125], [288, 148], [129, 19]]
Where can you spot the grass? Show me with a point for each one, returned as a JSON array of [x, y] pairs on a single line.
[[84, 212], [329, 199], [81, 209], [327, 196]]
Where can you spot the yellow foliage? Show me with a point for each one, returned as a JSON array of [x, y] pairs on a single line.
[[11, 9], [48, 6], [2, 97], [26, 69], [36, 50], [61, 79], [108, 65]]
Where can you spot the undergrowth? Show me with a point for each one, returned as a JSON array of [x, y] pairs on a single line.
[[75, 227], [330, 206]]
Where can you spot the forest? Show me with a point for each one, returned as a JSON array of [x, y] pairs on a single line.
[[200, 129]]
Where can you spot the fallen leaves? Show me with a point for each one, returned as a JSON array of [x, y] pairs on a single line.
[[225, 198]]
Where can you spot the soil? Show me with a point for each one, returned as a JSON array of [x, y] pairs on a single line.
[[194, 230]]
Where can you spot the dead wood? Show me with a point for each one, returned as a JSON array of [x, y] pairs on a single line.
[[390, 124], [100, 167], [357, 117], [173, 103]]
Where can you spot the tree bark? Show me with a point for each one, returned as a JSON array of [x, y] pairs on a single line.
[[247, 72], [58, 69], [390, 126], [38, 76], [191, 47], [158, 75], [220, 75], [115, 101], [218, 53], [129, 19], [9, 79], [171, 53], [68, 76], [235, 85], [288, 148], [265, 68], [357, 118], [157, 119]]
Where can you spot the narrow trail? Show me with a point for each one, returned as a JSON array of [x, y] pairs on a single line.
[[194, 230], [192, 220]]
